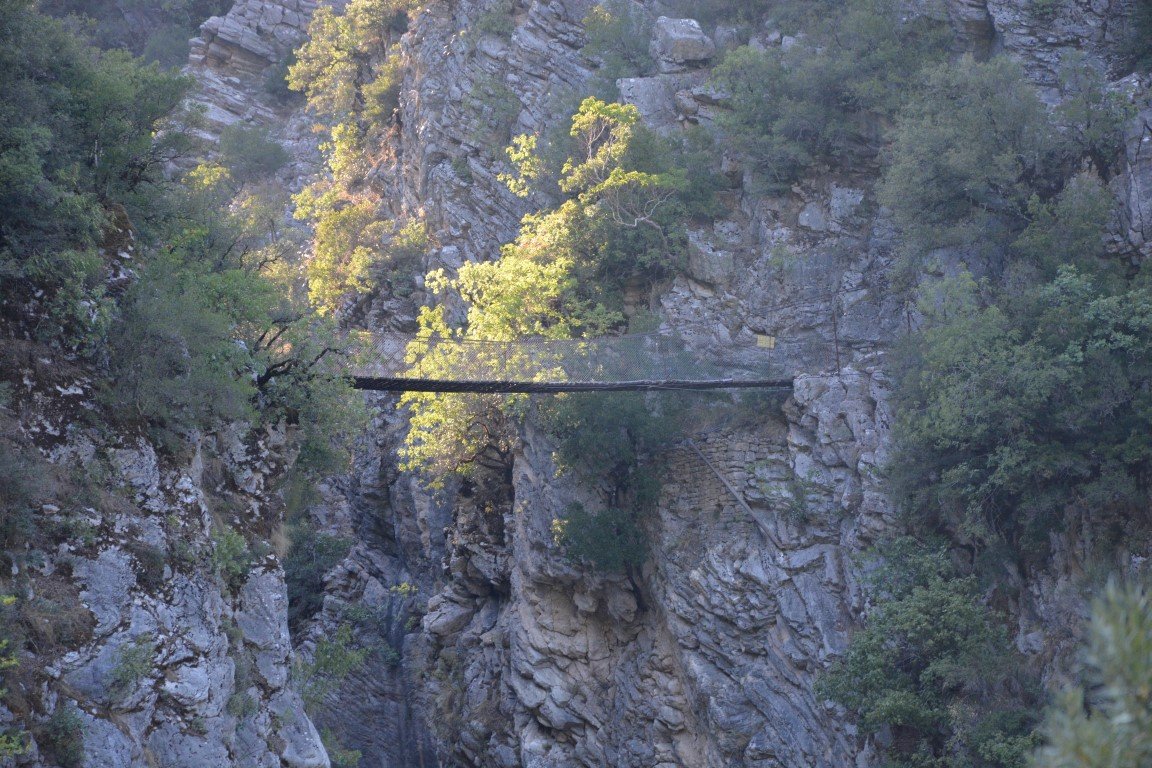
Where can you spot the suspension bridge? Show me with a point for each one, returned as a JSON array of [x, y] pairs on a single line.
[[634, 362]]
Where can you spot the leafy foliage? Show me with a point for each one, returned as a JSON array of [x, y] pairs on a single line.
[[333, 660], [155, 31], [1011, 412], [176, 359], [975, 150], [560, 278], [62, 737], [820, 100], [611, 439], [1108, 721], [76, 132], [609, 540], [249, 153], [350, 71], [231, 558], [618, 35], [931, 665], [310, 557], [964, 153], [134, 663], [342, 53]]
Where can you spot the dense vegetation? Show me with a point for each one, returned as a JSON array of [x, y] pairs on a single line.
[[175, 295], [154, 31], [349, 69], [825, 99], [563, 277], [935, 668], [1107, 720]]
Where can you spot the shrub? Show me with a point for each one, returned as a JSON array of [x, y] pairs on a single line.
[[311, 555], [249, 153], [276, 79], [135, 662], [62, 99], [13, 741], [382, 93], [722, 11], [609, 435], [343, 51], [496, 106], [1012, 412], [818, 101], [496, 21], [970, 149], [347, 243], [74, 312], [931, 665], [340, 757], [609, 540], [174, 352], [241, 705], [19, 486], [150, 562], [231, 558], [333, 660], [1092, 117], [1107, 721], [167, 46], [618, 34], [62, 737], [53, 618]]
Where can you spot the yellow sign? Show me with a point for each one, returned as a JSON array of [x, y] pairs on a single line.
[[767, 342]]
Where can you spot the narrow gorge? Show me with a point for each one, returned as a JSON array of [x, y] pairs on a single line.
[[932, 216]]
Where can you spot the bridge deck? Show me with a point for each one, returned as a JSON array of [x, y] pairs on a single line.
[[380, 384], [639, 362]]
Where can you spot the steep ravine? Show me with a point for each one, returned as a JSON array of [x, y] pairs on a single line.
[[504, 653]]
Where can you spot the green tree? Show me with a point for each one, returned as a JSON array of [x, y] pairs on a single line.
[[823, 100], [1108, 721], [1092, 117], [618, 35], [969, 151], [249, 153], [77, 148], [344, 50], [1012, 412], [334, 659], [561, 278], [609, 540], [932, 666]]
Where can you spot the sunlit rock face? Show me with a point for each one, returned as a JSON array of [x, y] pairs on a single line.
[[502, 653]]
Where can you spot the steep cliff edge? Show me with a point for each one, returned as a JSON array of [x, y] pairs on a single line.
[[175, 629]]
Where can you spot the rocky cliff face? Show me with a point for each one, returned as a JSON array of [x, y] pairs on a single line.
[[499, 651], [155, 654], [168, 663]]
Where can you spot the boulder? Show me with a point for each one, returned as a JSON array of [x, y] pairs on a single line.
[[678, 44]]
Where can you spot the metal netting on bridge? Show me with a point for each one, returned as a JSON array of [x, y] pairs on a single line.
[[397, 362]]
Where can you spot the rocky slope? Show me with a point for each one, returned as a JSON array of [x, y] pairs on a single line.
[[167, 662]]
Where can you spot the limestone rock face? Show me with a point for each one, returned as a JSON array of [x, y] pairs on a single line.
[[166, 664], [1137, 184], [680, 43]]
